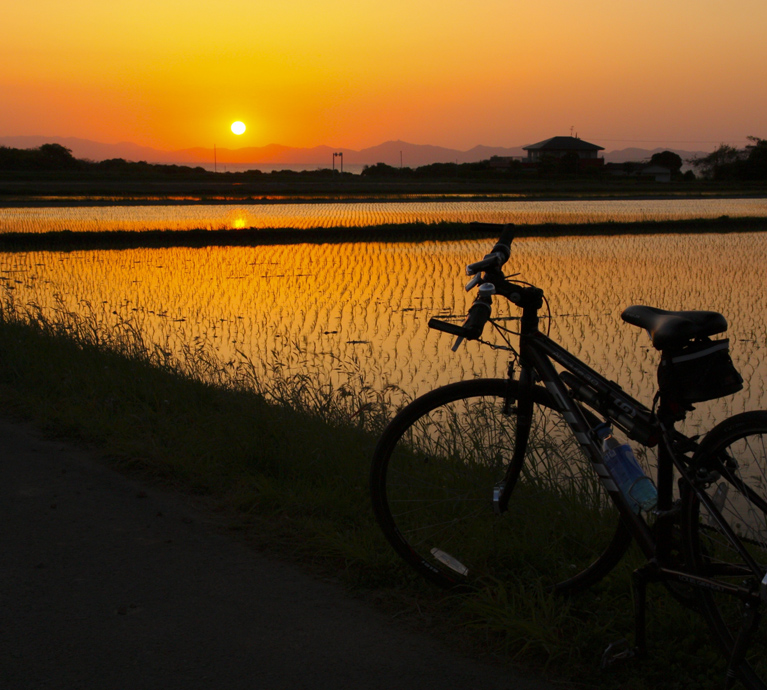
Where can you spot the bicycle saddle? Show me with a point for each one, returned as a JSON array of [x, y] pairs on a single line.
[[670, 328]]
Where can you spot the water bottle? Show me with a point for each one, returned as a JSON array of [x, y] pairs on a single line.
[[623, 467]]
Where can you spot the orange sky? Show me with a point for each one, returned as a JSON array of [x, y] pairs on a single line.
[[353, 73]]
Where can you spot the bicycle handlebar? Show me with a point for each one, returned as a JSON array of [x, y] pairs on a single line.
[[478, 316], [499, 254], [503, 245], [479, 312]]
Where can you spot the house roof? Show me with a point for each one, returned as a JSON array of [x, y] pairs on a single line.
[[563, 144]]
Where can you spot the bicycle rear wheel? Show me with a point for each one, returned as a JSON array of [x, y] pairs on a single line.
[[432, 484], [736, 450]]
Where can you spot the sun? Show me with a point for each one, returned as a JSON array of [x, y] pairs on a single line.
[[238, 127]]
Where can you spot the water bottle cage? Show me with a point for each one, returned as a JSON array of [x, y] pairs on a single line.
[[636, 503]]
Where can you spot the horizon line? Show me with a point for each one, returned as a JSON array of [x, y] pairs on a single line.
[[660, 142]]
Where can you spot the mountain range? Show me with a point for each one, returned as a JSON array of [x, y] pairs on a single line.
[[393, 153]]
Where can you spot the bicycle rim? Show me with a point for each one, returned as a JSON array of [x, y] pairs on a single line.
[[737, 448], [433, 479]]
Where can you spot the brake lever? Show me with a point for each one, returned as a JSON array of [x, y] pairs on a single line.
[[476, 280]]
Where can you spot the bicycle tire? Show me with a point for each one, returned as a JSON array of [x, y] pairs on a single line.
[[741, 496], [432, 480]]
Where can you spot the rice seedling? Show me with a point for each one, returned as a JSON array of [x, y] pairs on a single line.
[[292, 474], [324, 308], [109, 218]]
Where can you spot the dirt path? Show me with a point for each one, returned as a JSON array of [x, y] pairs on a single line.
[[105, 583]]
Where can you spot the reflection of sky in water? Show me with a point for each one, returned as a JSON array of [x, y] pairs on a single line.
[[325, 308], [214, 217]]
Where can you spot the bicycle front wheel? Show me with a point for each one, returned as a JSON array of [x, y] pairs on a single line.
[[435, 471], [736, 452]]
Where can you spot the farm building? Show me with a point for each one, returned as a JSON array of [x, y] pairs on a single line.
[[559, 147]]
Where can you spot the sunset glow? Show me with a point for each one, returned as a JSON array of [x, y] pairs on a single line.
[[341, 73]]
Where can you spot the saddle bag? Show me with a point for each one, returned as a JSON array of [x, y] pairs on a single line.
[[700, 370]]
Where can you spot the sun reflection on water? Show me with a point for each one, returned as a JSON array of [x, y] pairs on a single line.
[[139, 218]]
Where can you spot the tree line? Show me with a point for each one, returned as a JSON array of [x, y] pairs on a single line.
[[725, 163], [58, 158], [731, 163], [55, 158]]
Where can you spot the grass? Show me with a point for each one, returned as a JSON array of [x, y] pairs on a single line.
[[407, 232], [286, 466], [442, 472]]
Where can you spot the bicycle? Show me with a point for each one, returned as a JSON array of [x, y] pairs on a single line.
[[458, 473]]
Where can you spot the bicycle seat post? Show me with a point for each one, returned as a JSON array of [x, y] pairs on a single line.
[[665, 462]]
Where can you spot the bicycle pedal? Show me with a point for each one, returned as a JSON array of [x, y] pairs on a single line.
[[616, 652]]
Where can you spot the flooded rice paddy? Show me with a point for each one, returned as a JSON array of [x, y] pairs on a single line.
[[335, 310], [321, 215]]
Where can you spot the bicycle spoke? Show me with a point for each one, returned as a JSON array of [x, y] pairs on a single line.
[[433, 484], [738, 447]]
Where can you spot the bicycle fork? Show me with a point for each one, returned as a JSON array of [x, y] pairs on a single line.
[[520, 407]]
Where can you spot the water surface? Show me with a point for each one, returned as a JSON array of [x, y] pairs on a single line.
[[328, 310], [319, 215]]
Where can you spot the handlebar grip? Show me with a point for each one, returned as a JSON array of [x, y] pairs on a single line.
[[478, 316], [445, 327], [498, 256], [503, 245]]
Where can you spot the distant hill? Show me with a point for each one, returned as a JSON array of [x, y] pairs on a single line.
[[390, 152], [92, 150], [416, 155], [638, 155]]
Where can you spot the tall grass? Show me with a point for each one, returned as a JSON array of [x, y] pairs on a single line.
[[261, 446], [286, 380], [286, 463]]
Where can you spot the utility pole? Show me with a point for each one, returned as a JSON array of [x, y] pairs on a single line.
[[215, 170]]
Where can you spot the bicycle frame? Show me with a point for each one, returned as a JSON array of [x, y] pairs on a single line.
[[537, 355], [669, 534]]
